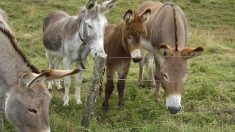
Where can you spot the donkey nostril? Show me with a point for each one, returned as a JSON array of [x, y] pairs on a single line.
[[137, 59], [32, 110], [174, 110]]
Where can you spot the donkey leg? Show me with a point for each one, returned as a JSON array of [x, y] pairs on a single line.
[[121, 84], [157, 80], [140, 82], [1, 112], [67, 81], [3, 88], [108, 90], [78, 87], [120, 88], [57, 66], [149, 67], [50, 66]]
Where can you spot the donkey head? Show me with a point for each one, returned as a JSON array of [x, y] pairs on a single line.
[[27, 105], [133, 31], [174, 70], [94, 22]]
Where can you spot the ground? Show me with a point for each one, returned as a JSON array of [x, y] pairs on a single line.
[[209, 97]]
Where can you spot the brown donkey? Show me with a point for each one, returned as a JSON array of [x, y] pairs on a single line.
[[122, 42], [168, 35]]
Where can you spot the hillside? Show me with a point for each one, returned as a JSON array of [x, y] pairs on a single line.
[[209, 97]]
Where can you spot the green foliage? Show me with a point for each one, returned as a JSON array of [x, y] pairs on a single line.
[[209, 97]]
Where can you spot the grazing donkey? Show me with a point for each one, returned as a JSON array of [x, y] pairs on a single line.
[[148, 58], [22, 88], [72, 38], [122, 42], [168, 31]]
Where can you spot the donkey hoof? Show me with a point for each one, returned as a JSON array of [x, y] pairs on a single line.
[[66, 101], [153, 85], [140, 84], [105, 107], [49, 88], [60, 90], [79, 102], [157, 99], [150, 85], [121, 106], [66, 104]]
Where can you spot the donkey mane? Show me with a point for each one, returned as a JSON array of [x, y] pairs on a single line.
[[11, 37], [176, 38]]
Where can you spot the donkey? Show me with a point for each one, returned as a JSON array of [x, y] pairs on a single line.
[[147, 60], [122, 42], [148, 57], [72, 38], [23, 94], [168, 35]]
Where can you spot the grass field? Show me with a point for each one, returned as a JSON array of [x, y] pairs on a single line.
[[209, 97]]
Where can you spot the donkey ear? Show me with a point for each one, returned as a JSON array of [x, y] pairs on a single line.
[[128, 16], [145, 15], [165, 50], [26, 78], [51, 75], [91, 4], [106, 5], [191, 52], [4, 15]]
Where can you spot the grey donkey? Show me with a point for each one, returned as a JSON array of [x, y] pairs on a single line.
[[71, 38], [24, 96]]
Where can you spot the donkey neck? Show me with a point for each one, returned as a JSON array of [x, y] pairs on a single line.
[[12, 63], [118, 42], [72, 26]]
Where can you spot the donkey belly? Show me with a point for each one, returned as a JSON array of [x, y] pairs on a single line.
[[122, 67], [53, 43], [52, 38], [53, 30]]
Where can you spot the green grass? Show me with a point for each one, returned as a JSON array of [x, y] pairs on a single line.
[[209, 97]]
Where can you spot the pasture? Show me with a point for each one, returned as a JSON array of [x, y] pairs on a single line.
[[209, 98]]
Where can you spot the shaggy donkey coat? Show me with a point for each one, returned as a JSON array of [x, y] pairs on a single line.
[[122, 43]]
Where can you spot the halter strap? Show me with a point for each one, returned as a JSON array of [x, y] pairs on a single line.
[[82, 46], [1, 23]]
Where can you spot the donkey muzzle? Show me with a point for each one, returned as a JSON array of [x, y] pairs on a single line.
[[174, 110], [136, 55], [173, 103], [137, 59]]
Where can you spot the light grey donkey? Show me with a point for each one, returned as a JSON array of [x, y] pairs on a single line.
[[23, 93], [71, 38]]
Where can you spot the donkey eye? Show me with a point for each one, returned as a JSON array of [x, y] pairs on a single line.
[[89, 26], [34, 111], [165, 76], [129, 37]]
